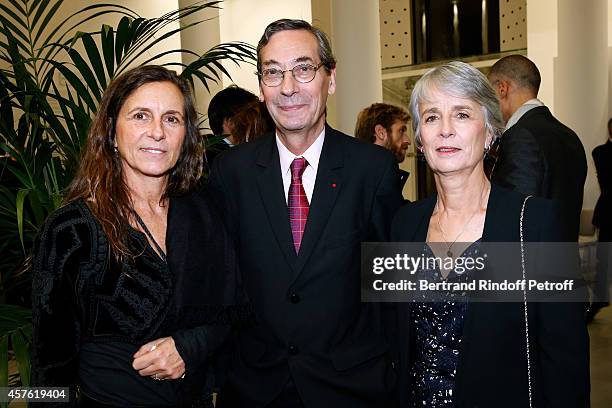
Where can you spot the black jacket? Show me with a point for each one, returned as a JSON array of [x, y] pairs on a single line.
[[492, 367], [80, 291], [312, 325], [602, 156], [541, 156]]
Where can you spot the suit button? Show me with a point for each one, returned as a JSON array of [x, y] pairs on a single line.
[[295, 298], [293, 350]]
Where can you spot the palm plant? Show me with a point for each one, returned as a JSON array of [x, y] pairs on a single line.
[[49, 92]]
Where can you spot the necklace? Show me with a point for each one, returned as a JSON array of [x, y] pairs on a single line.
[[449, 252], [142, 224]]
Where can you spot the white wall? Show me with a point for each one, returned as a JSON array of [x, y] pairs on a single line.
[[356, 40], [542, 44], [581, 78]]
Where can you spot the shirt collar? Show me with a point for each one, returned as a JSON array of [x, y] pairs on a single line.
[[312, 154], [523, 109]]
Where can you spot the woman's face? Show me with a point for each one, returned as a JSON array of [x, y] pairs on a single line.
[[150, 130], [453, 132]]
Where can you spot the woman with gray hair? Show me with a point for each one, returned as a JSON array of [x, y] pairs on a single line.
[[460, 352]]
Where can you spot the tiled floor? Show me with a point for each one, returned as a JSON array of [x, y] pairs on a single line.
[[601, 359]]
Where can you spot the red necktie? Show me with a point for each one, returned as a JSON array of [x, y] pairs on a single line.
[[298, 202]]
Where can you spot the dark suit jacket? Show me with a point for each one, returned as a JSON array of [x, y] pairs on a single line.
[[492, 367], [602, 156], [540, 156], [215, 145], [311, 324], [403, 178]]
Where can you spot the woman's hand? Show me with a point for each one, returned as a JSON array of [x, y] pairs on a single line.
[[159, 360]]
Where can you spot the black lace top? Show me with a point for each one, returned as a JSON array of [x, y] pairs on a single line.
[[437, 332], [83, 296]]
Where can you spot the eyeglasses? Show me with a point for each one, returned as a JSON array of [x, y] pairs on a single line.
[[303, 73]]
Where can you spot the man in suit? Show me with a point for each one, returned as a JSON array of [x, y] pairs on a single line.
[[537, 155], [387, 126], [602, 219], [298, 203]]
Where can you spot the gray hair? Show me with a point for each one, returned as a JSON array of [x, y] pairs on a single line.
[[461, 80], [325, 51]]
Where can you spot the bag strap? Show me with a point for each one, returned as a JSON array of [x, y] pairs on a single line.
[[525, 299]]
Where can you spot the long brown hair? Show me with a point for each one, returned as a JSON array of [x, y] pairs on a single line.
[[100, 181], [251, 122]]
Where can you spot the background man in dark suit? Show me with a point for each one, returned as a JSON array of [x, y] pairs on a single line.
[[538, 155], [387, 126], [299, 202], [602, 219]]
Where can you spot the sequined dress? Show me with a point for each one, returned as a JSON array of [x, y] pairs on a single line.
[[437, 328]]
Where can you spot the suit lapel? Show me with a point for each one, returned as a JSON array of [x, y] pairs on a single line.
[[327, 187], [489, 232], [270, 184]]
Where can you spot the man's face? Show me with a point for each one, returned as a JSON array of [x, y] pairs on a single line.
[[296, 108], [398, 140]]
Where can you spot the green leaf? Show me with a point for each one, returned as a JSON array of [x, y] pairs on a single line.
[[13, 318], [110, 9], [38, 7], [122, 41], [12, 28], [4, 361], [94, 58], [21, 195], [50, 14], [87, 74], [21, 348], [76, 83], [15, 323], [108, 44], [18, 7], [14, 16]]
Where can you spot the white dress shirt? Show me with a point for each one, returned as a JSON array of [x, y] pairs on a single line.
[[312, 156], [523, 109]]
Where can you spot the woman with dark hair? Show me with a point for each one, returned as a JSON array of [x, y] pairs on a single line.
[[458, 351], [251, 122], [134, 282]]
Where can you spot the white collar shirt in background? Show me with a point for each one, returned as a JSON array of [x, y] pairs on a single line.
[[523, 109]]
